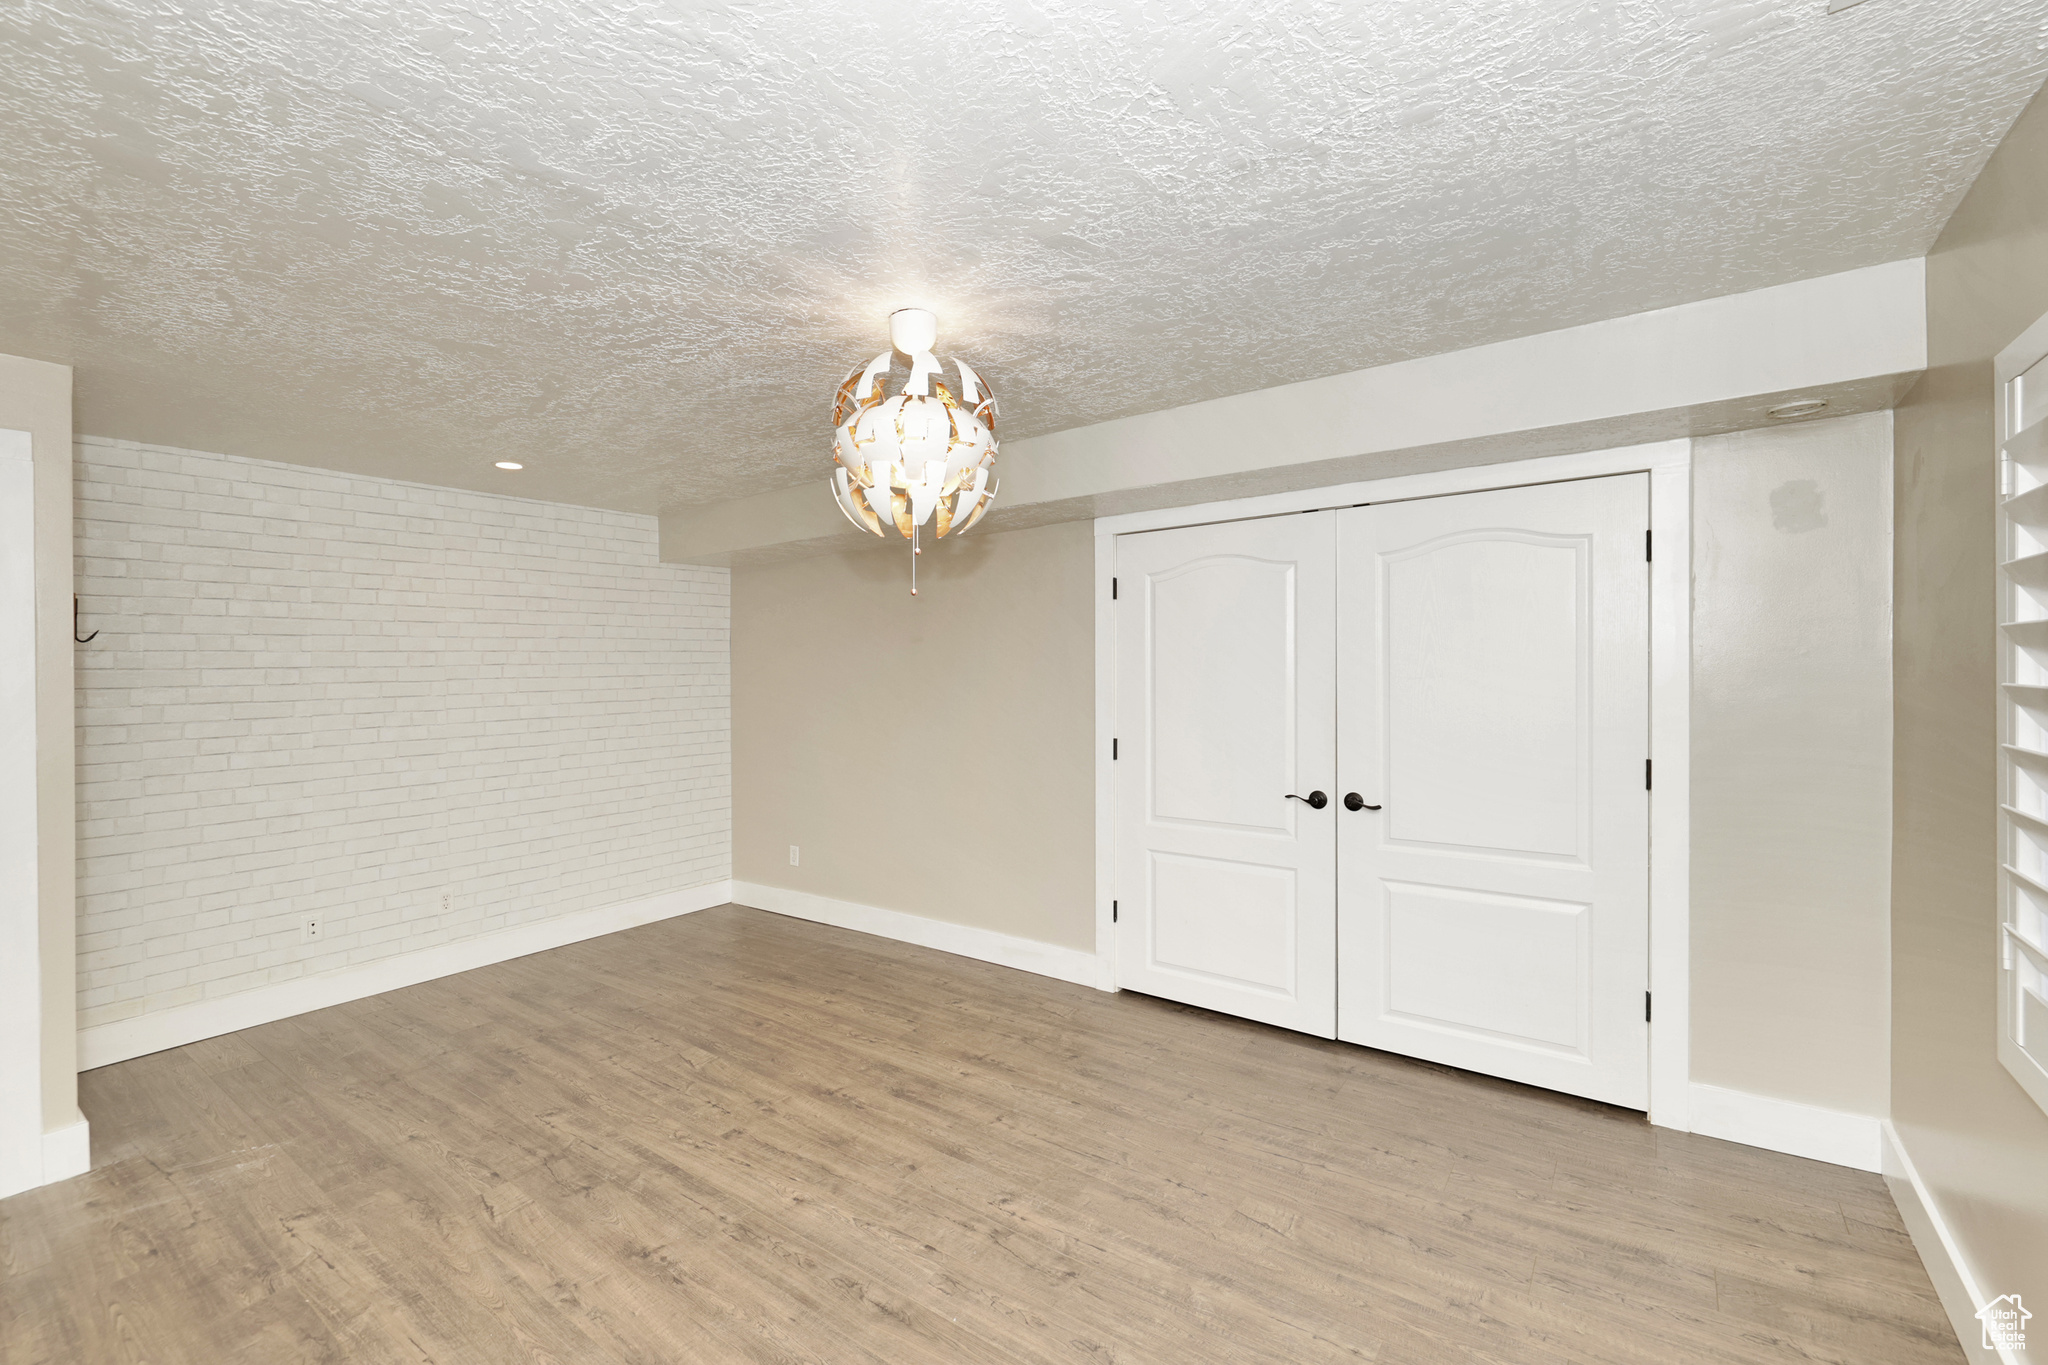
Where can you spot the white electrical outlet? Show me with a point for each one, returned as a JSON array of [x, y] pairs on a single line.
[[792, 855], [310, 929], [447, 901]]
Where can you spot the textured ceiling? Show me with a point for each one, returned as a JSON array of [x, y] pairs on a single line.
[[635, 244]]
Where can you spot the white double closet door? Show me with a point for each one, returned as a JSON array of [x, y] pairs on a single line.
[[1476, 668]]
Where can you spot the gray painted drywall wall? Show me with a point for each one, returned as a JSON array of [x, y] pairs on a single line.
[[1977, 1140], [931, 754], [1791, 762]]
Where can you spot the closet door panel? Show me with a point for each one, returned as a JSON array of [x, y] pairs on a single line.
[[1492, 660], [1225, 678], [1493, 700]]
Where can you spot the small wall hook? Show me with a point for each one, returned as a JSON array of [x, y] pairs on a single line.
[[75, 636]]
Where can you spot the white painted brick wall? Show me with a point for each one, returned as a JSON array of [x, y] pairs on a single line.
[[323, 694]]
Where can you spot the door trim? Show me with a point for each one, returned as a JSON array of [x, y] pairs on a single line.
[[1669, 465]]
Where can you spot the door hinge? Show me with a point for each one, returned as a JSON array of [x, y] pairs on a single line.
[[1646, 774], [1112, 912], [1646, 1007], [1112, 751], [1646, 547], [1112, 590]]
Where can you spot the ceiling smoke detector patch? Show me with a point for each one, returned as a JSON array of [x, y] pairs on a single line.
[[1804, 407]]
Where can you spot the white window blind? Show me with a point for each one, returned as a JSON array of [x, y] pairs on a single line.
[[2023, 710]]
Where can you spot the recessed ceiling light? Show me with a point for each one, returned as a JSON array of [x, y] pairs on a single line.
[[1805, 407], [510, 464]]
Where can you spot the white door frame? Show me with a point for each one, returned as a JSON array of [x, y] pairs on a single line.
[[1669, 465], [21, 967]]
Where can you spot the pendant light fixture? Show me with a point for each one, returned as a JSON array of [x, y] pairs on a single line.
[[903, 456]]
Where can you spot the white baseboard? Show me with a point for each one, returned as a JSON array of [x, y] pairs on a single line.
[[1786, 1126], [984, 945], [125, 1038], [60, 1154], [67, 1151], [1961, 1293]]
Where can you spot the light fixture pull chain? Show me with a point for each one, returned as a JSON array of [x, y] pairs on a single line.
[[914, 553]]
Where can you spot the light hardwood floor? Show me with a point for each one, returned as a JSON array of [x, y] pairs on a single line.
[[737, 1137]]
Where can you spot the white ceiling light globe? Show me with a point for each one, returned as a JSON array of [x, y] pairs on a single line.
[[922, 450]]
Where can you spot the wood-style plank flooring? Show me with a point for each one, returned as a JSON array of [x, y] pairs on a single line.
[[738, 1137]]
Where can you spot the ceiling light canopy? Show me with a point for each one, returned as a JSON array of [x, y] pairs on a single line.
[[922, 449]]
